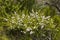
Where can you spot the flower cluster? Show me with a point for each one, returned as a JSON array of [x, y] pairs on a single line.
[[29, 22]]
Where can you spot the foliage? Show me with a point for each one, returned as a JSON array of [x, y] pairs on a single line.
[[28, 24]]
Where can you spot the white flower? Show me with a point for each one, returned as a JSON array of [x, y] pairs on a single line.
[[32, 11], [12, 17], [57, 30], [21, 20], [18, 26], [34, 27], [24, 32], [41, 23], [33, 20], [42, 26], [21, 31], [36, 16], [25, 25], [47, 17], [37, 23], [13, 21], [15, 13], [29, 29], [36, 13], [31, 32], [5, 19], [28, 17], [43, 17], [43, 35], [31, 14], [29, 22], [18, 18], [23, 15]]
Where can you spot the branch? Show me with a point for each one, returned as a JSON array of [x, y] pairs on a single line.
[[53, 6]]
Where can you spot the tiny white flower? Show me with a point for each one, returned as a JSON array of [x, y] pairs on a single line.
[[43, 35], [31, 14], [33, 20], [5, 19], [32, 11], [34, 27], [18, 26], [24, 32], [18, 17], [42, 26], [15, 13], [36, 13], [12, 17], [37, 23], [21, 20], [37, 16], [13, 21], [29, 22], [21, 31], [23, 15], [28, 17], [31, 32], [25, 25], [18, 21], [57, 30], [29, 29], [47, 17], [43, 17], [42, 20]]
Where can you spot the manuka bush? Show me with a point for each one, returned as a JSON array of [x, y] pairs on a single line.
[[27, 24]]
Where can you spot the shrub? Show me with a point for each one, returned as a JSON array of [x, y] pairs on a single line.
[[16, 24]]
